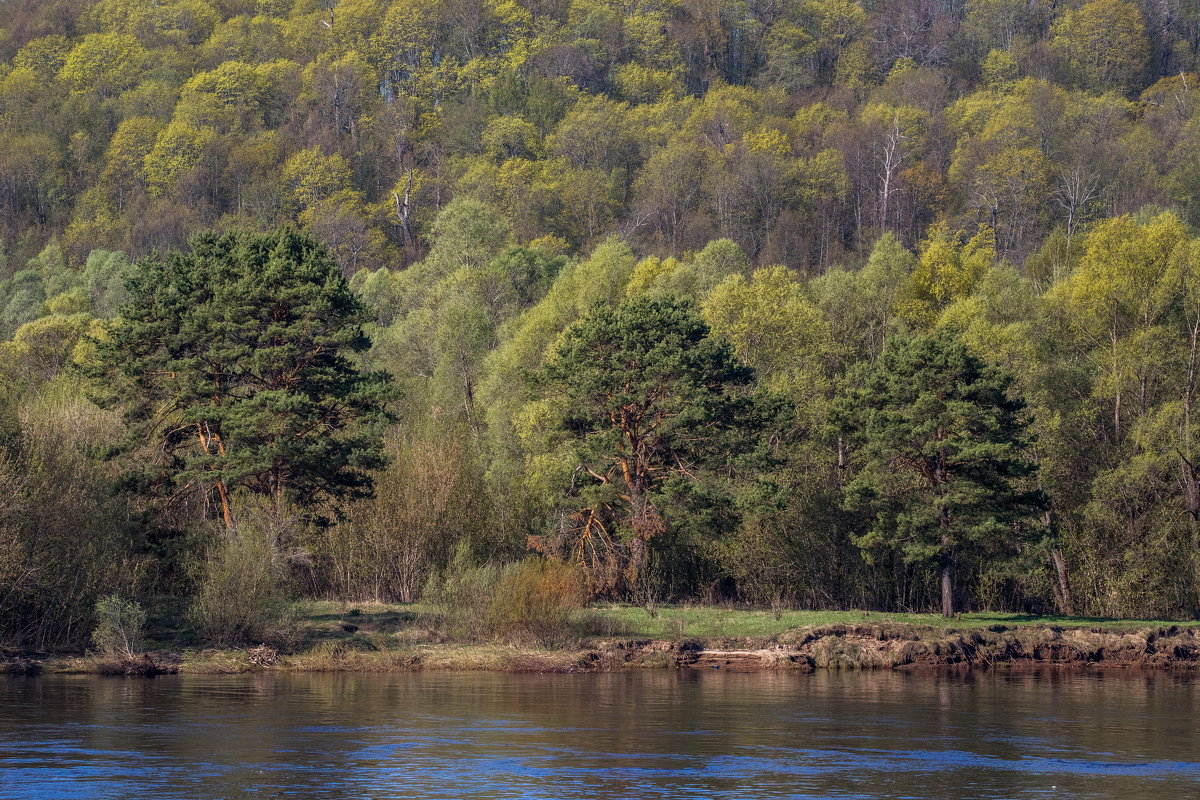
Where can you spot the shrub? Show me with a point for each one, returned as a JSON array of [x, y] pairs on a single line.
[[463, 596], [241, 594], [531, 601], [119, 626], [534, 601]]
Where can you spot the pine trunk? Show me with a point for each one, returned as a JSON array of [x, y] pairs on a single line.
[[1064, 585], [947, 588]]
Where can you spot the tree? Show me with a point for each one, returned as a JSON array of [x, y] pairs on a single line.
[[948, 270], [861, 306], [778, 331], [178, 149], [1103, 43], [997, 23], [104, 63], [1115, 303], [236, 359], [939, 462], [124, 171], [652, 402], [693, 280]]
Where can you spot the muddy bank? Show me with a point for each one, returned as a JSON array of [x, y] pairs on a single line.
[[892, 646], [914, 647]]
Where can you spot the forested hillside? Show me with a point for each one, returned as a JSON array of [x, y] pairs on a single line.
[[827, 303]]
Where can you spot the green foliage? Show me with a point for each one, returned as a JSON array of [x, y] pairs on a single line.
[[241, 591], [104, 276], [947, 270], [463, 595], [64, 540], [104, 63], [534, 601], [651, 405], [120, 626], [1103, 43], [467, 234], [940, 460], [236, 358], [674, 125], [775, 328], [527, 602], [22, 296]]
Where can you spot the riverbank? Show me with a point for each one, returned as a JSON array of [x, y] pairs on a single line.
[[387, 638]]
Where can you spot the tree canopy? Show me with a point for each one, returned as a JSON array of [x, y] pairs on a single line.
[[650, 404], [939, 457], [237, 359]]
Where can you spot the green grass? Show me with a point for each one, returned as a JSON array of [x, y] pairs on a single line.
[[376, 637], [325, 620], [702, 622]]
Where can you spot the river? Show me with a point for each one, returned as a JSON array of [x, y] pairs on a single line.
[[652, 734]]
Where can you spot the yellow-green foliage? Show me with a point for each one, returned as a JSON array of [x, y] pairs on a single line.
[[534, 601], [947, 270], [104, 63], [776, 329], [530, 601]]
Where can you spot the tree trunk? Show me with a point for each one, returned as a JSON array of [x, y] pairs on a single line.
[[947, 583], [226, 514], [947, 588], [1064, 585], [1116, 373], [207, 439], [403, 210]]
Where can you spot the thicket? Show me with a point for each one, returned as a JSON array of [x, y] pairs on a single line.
[[241, 592], [809, 180], [531, 601]]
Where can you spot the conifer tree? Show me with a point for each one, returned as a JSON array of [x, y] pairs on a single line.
[[654, 404], [236, 358], [939, 459]]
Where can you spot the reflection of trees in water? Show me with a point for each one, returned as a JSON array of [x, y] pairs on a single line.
[[889, 734]]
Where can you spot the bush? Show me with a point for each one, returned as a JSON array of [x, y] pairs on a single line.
[[531, 601], [534, 601], [463, 596], [119, 626], [241, 595]]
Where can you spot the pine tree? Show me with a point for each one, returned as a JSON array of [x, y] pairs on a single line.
[[236, 359], [654, 405], [939, 460]]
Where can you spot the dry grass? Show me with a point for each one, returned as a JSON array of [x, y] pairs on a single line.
[[386, 637]]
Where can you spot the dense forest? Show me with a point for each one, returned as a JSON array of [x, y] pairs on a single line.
[[822, 303]]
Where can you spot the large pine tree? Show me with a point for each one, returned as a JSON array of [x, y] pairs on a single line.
[[236, 358], [939, 455], [655, 406]]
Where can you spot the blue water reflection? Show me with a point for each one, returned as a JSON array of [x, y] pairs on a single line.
[[638, 735]]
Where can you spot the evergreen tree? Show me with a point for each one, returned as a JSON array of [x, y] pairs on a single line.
[[653, 405], [939, 456], [236, 358]]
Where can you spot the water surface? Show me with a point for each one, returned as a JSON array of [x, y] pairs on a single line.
[[638, 735]]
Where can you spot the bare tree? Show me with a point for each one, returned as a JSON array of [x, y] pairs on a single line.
[[1075, 187], [889, 154]]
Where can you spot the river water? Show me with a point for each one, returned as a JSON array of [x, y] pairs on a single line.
[[654, 734]]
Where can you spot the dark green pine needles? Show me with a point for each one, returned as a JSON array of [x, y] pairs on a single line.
[[939, 456], [654, 405], [236, 358]]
